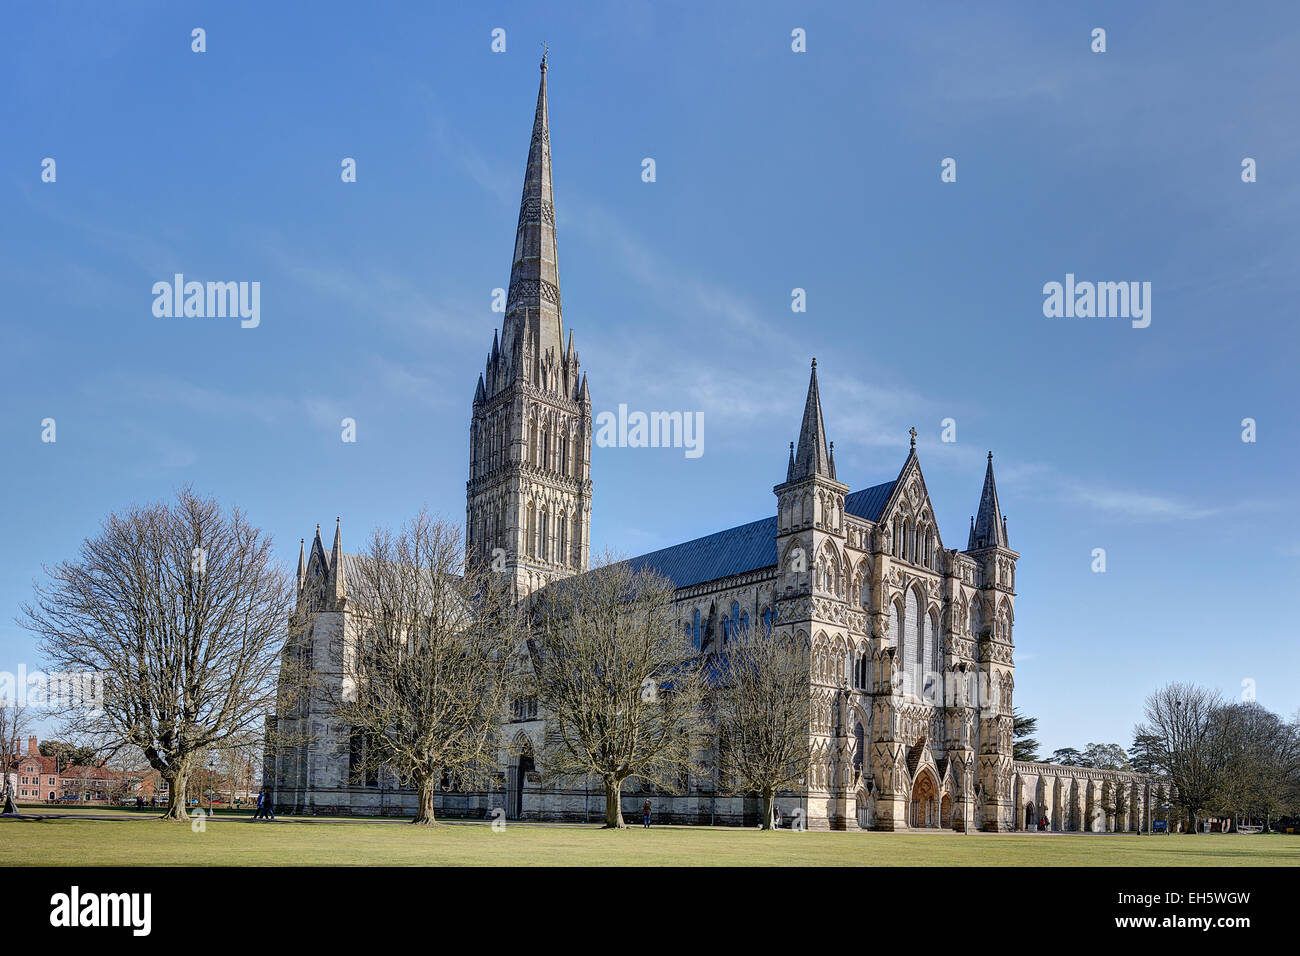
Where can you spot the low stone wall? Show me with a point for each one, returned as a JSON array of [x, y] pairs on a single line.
[[550, 806]]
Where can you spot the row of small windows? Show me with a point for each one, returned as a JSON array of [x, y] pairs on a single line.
[[548, 536], [552, 446], [549, 447], [553, 537], [733, 624], [824, 510], [827, 576], [915, 542]]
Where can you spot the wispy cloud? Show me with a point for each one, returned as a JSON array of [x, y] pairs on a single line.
[[378, 293], [1140, 505]]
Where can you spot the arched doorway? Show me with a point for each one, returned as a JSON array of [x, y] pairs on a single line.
[[1031, 821], [925, 801], [518, 777], [945, 812]]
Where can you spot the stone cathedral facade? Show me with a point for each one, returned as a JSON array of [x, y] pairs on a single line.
[[912, 664]]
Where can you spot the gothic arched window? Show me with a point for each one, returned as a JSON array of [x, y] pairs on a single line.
[[928, 655], [531, 541], [911, 649]]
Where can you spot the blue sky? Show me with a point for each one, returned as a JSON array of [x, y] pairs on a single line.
[[775, 170]]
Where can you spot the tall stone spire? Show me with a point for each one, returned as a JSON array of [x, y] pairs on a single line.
[[533, 302], [529, 488], [811, 456], [989, 529], [302, 562], [336, 585]]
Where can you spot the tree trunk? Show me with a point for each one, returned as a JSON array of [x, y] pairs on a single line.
[[614, 804], [426, 787], [765, 800], [177, 784]]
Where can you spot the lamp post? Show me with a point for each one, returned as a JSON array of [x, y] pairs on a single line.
[[212, 781]]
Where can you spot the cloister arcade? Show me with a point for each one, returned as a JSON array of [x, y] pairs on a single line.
[[1062, 799]]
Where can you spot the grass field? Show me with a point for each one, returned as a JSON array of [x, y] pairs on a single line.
[[237, 841]]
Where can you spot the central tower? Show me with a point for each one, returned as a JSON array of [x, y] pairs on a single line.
[[528, 499]]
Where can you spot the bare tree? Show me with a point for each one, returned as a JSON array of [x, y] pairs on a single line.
[[14, 725], [425, 686], [238, 768], [180, 610], [1187, 726], [763, 713], [617, 681]]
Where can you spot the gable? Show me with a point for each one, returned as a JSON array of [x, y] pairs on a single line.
[[910, 497]]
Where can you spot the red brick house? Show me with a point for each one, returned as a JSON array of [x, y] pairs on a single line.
[[41, 779]]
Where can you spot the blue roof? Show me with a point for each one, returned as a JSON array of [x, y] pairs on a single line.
[[869, 502], [720, 555], [748, 547]]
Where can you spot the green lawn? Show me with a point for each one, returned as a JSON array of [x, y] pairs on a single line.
[[241, 842]]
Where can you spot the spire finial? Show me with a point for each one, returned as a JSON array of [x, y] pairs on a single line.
[[912, 431], [534, 289], [989, 530], [335, 582], [546, 49], [812, 457]]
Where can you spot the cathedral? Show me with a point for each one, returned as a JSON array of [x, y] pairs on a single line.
[[912, 669]]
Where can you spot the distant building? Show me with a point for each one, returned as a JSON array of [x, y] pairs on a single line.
[[45, 780]]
